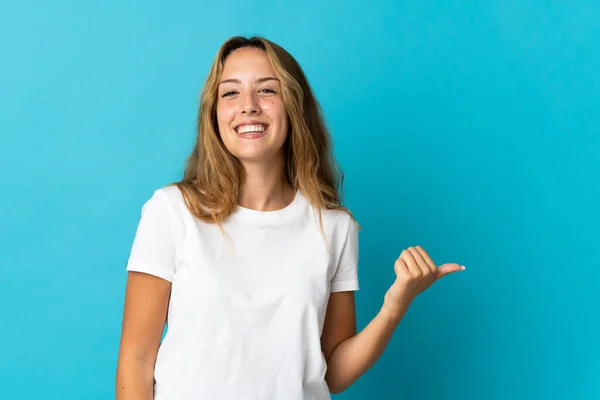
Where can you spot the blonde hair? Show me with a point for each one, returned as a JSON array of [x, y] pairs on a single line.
[[213, 176]]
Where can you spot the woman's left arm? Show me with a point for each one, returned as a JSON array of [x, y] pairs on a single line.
[[349, 355]]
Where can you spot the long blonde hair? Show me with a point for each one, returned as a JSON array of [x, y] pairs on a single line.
[[213, 176]]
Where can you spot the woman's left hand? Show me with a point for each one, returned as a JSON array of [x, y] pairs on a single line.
[[415, 272]]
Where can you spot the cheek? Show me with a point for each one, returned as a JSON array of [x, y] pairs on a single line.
[[276, 110], [225, 115]]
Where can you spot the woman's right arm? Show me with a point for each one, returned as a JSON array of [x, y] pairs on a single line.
[[144, 316]]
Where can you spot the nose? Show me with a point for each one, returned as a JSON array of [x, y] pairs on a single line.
[[250, 104]]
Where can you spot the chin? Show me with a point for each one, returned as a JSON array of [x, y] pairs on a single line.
[[245, 157], [251, 155]]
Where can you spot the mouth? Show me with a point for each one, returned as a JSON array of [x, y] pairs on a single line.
[[251, 131]]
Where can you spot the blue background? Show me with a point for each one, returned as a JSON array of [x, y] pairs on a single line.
[[469, 128]]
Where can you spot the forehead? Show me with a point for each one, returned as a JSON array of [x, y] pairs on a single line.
[[247, 61]]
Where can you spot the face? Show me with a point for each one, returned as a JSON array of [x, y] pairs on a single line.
[[251, 115]]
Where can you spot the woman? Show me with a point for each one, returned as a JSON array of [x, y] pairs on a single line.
[[251, 258]]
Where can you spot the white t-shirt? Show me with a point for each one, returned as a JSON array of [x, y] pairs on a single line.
[[244, 321]]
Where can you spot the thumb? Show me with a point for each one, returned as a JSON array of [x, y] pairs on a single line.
[[446, 269]]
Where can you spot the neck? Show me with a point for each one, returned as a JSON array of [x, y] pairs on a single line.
[[265, 187]]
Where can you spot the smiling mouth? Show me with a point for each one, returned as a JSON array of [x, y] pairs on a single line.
[[253, 131]]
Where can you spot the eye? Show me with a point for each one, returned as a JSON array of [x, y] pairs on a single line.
[[229, 93], [268, 90]]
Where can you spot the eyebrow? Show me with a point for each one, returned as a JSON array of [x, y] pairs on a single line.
[[259, 80]]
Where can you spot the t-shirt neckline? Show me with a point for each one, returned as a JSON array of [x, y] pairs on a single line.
[[274, 216]]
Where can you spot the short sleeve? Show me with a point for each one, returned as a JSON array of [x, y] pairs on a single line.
[[153, 249], [346, 274]]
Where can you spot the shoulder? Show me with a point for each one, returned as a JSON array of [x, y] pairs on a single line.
[[337, 216], [170, 192], [171, 197], [338, 223], [166, 201], [339, 219]]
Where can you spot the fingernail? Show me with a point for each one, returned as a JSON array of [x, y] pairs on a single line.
[[463, 268]]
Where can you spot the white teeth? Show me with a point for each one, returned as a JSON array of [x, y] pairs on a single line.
[[251, 128]]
